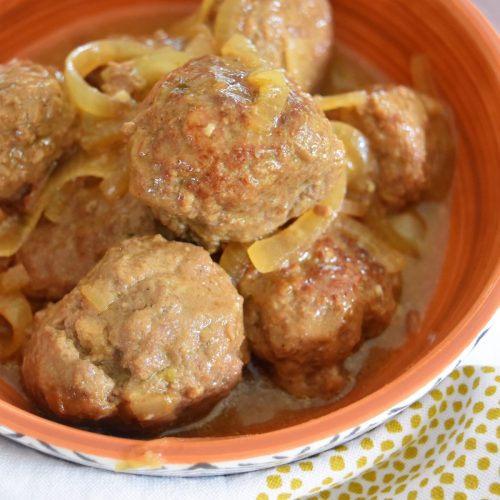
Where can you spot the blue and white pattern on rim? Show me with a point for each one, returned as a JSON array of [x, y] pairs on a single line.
[[233, 467]]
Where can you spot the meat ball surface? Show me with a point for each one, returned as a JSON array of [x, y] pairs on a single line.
[[293, 34], [411, 138], [306, 318], [35, 121], [58, 254], [198, 161], [153, 332]]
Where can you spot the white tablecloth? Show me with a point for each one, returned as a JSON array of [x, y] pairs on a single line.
[[27, 474]]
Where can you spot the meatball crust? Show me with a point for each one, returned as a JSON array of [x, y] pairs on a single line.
[[198, 162], [293, 34], [153, 331], [403, 127], [58, 254], [35, 121], [306, 318]]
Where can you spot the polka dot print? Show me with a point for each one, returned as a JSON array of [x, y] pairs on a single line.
[[443, 446]]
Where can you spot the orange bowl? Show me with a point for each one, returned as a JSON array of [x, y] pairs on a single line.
[[465, 53]]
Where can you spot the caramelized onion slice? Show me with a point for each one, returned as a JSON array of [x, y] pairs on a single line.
[[15, 230], [353, 208], [13, 279], [202, 42], [16, 310], [273, 95], [154, 65], [358, 154], [234, 260], [386, 255], [347, 100], [270, 254], [405, 231], [228, 21], [241, 48], [84, 59]]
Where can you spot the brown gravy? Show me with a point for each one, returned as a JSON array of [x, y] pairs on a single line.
[[256, 405]]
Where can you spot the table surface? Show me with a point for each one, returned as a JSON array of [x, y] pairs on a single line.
[[486, 353]]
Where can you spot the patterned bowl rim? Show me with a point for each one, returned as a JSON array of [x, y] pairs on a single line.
[[195, 450]]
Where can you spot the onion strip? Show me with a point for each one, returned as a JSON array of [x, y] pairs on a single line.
[[234, 260], [15, 230], [153, 66], [358, 154], [347, 100], [13, 279], [16, 310], [405, 231], [272, 98], [228, 20], [241, 48], [270, 254], [84, 59]]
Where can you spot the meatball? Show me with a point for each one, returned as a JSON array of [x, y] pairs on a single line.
[[197, 160], [293, 34], [152, 335], [411, 137], [306, 318], [35, 121], [58, 254]]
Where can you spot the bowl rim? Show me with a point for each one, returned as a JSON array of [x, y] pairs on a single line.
[[220, 449]]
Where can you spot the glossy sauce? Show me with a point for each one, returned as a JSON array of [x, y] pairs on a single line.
[[256, 405]]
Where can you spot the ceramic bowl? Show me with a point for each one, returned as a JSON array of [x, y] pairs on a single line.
[[465, 53]]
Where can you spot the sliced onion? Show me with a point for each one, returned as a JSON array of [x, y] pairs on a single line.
[[353, 208], [15, 230], [13, 279], [84, 59], [16, 310], [347, 100], [234, 260], [228, 20], [273, 95], [384, 254], [241, 48], [154, 65], [358, 154], [204, 10], [405, 231], [202, 43], [270, 254]]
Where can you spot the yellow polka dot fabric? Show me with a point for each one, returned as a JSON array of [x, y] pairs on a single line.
[[444, 446]]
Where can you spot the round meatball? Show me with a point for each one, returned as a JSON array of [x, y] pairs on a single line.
[[197, 159], [293, 34], [306, 318], [151, 336], [58, 254], [411, 138], [35, 121]]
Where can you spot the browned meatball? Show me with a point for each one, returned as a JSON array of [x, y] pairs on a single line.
[[306, 318], [293, 34], [58, 255], [35, 119], [410, 136], [152, 334], [197, 160]]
